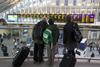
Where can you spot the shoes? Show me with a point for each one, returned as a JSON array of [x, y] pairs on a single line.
[[38, 62], [49, 63], [35, 62]]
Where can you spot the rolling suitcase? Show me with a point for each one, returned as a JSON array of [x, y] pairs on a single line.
[[68, 61], [21, 56]]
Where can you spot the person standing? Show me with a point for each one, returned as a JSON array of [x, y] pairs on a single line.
[[52, 40], [4, 50], [1, 39], [37, 35], [69, 33]]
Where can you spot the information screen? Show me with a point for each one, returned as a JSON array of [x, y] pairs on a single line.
[[12, 18]]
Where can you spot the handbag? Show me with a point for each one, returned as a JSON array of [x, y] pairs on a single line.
[[78, 36]]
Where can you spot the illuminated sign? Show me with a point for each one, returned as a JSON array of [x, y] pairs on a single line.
[[79, 18], [12, 18]]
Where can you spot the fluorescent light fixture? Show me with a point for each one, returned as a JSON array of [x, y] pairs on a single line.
[[70, 4], [88, 4], [83, 9], [79, 4], [97, 4], [14, 7], [62, 4], [53, 4], [31, 5]]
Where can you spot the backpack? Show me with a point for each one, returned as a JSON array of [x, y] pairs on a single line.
[[47, 36], [51, 35]]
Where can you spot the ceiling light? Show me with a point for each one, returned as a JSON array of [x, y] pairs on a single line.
[[53, 4], [70, 4], [79, 4], [62, 4], [88, 4]]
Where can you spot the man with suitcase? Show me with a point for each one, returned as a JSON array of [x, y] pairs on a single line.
[[70, 40]]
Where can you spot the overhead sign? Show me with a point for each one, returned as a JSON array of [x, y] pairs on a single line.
[[79, 18]]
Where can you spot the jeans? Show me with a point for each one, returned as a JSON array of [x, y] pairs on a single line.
[[38, 52]]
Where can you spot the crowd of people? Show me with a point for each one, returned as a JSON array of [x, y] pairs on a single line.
[[46, 33]]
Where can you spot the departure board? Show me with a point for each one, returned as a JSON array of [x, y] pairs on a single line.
[[79, 18]]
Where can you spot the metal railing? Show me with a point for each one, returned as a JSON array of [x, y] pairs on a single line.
[[89, 59]]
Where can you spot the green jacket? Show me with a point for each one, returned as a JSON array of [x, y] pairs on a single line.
[[55, 33]]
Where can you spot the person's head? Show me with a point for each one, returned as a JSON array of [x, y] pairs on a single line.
[[2, 45], [51, 21], [68, 18], [43, 21]]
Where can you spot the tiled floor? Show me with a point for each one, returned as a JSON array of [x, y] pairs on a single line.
[[31, 64]]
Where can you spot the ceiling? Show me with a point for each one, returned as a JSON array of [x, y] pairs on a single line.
[[6, 4], [1, 1], [44, 6]]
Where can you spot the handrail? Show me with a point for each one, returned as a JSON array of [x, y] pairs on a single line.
[[18, 27], [30, 57]]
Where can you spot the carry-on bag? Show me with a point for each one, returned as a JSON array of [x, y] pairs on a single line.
[[68, 61], [20, 56]]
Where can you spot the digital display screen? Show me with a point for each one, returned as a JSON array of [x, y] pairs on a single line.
[[12, 18]]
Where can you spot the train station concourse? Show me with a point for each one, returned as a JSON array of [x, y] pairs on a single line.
[[18, 19]]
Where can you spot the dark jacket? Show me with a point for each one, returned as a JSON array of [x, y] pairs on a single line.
[[43, 25], [68, 35]]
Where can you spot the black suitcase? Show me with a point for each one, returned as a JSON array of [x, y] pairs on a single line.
[[68, 61], [21, 56]]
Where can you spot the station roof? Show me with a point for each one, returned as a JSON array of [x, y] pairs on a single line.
[[6, 4], [31, 6]]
